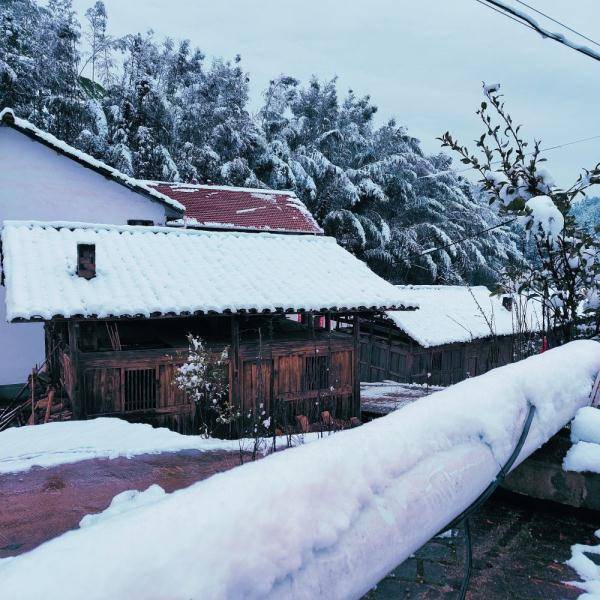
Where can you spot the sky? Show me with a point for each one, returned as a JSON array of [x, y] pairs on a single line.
[[421, 61]]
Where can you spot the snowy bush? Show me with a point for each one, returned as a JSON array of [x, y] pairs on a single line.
[[205, 381], [563, 273]]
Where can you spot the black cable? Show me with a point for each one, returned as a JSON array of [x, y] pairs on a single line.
[[506, 15], [525, 19], [463, 517], [468, 237], [539, 12], [468, 560]]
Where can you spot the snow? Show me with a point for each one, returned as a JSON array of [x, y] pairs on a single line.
[[545, 216], [586, 425], [583, 457], [7, 116], [156, 270], [587, 569], [451, 313], [52, 444], [321, 520], [382, 397], [124, 502], [60, 443]]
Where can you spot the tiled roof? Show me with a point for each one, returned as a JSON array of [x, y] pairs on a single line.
[[7, 117], [152, 271], [222, 207]]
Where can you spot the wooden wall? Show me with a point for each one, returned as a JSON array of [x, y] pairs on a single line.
[[386, 354], [288, 377]]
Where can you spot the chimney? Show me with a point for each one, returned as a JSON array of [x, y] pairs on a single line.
[[86, 261], [507, 302]]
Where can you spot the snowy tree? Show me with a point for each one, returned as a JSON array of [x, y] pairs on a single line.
[[205, 381], [162, 112], [565, 275]]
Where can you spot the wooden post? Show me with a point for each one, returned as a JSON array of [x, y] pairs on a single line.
[[356, 386], [32, 417], [77, 402], [234, 391]]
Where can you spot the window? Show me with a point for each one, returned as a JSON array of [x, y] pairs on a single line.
[[316, 373], [140, 389], [144, 222]]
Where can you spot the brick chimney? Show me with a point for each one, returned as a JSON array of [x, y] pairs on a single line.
[[86, 261], [507, 302]]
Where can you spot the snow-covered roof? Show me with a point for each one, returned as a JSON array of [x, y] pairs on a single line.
[[7, 117], [250, 209], [153, 271], [449, 314]]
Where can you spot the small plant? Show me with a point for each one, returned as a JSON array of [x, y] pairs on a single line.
[[206, 382]]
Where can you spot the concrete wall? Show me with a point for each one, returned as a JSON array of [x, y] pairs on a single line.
[[37, 183]]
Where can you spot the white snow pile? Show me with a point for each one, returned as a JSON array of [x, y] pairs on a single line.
[[544, 217], [457, 313], [322, 520], [149, 270], [7, 115], [587, 569], [584, 455], [59, 443], [124, 502]]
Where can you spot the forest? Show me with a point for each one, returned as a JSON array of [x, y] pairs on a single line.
[[161, 110]]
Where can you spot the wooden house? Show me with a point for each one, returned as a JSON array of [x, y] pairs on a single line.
[[457, 332], [42, 178], [118, 302]]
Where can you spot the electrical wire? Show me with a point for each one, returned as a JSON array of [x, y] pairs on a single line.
[[505, 14], [539, 12], [515, 14], [495, 162]]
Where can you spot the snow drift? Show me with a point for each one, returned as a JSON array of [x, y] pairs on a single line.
[[323, 520]]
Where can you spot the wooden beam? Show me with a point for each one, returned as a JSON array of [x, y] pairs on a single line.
[[355, 366], [234, 362], [77, 403]]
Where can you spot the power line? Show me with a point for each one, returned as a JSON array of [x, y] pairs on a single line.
[[503, 13], [495, 162], [539, 12], [514, 13], [468, 237]]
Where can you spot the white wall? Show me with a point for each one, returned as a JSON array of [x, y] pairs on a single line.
[[38, 183]]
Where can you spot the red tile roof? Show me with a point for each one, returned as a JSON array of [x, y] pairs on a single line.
[[222, 207]]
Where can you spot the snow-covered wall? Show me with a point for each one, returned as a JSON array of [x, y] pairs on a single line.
[[326, 520], [38, 183]]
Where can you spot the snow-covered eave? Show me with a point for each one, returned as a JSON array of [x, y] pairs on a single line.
[[20, 316], [216, 226], [8, 118], [424, 343], [212, 313]]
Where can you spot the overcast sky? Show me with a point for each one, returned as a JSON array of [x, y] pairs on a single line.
[[422, 61]]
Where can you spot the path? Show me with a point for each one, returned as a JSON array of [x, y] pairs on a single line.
[[40, 504]]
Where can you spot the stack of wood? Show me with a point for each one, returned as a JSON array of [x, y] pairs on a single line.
[[38, 401]]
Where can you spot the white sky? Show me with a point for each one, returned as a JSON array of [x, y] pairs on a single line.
[[422, 61]]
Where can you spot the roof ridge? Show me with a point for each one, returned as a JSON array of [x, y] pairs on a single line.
[[210, 186], [174, 231]]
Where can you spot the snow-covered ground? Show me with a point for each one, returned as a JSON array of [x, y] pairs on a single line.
[[584, 455], [322, 520], [587, 569], [55, 444]]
